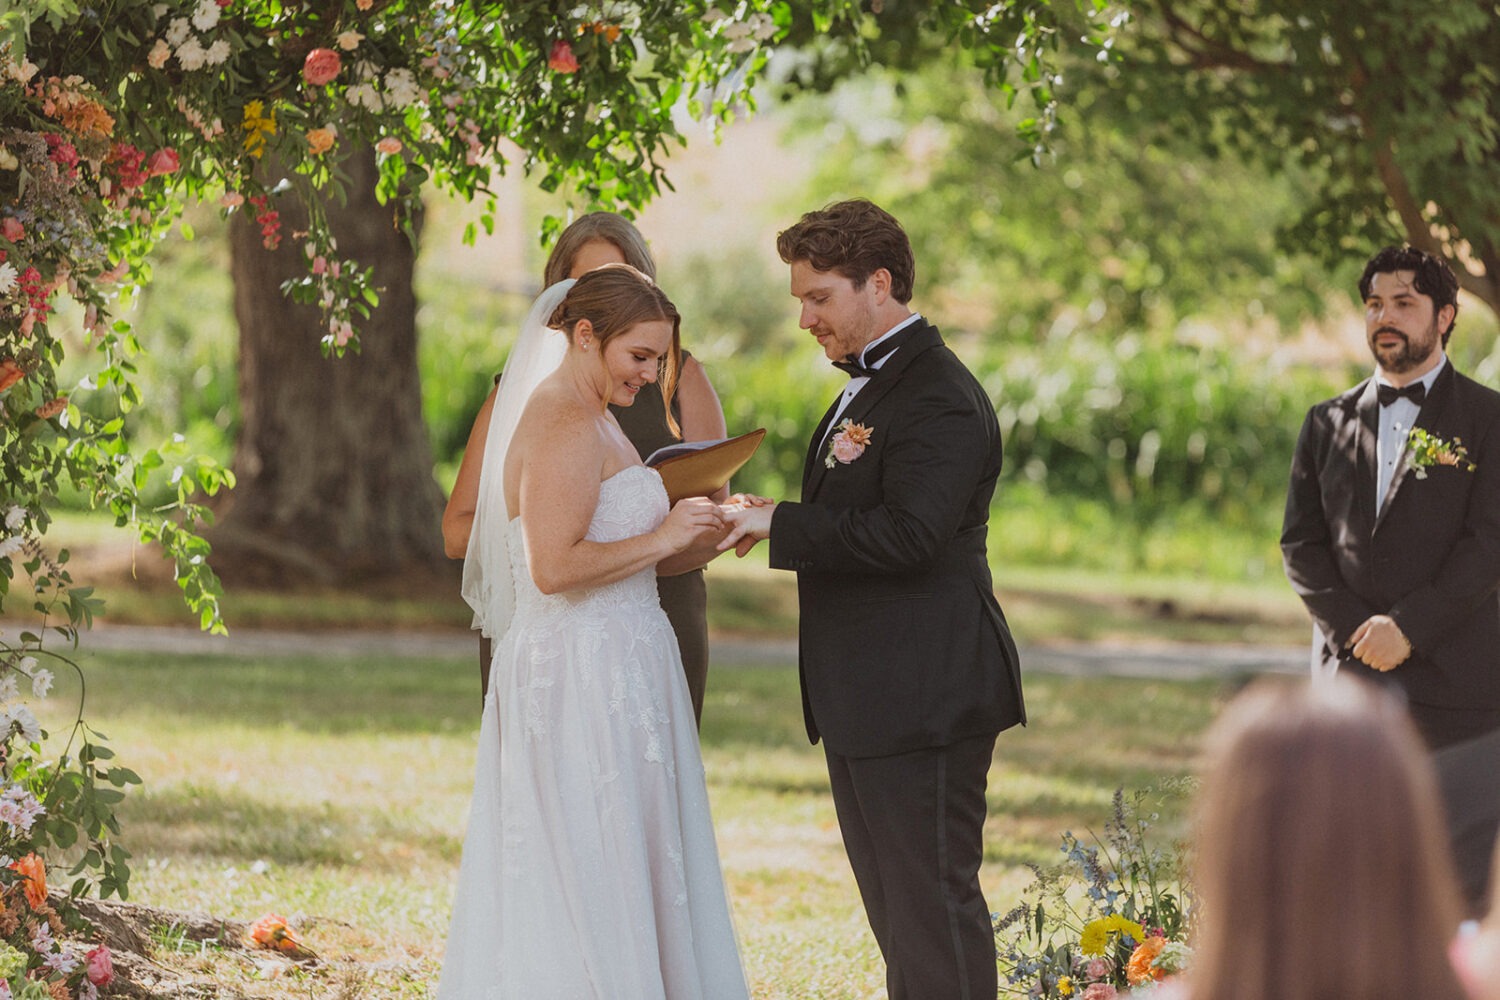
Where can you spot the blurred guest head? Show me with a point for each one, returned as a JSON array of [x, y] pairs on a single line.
[[1322, 862]]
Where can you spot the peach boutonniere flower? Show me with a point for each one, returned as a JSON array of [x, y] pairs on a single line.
[[1425, 450], [848, 444]]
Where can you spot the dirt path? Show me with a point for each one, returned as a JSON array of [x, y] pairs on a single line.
[[1173, 661]]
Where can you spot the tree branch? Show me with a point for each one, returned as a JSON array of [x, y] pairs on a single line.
[[1206, 52]]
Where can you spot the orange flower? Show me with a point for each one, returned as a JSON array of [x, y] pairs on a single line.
[[10, 373], [52, 407], [1139, 969], [273, 933], [34, 877]]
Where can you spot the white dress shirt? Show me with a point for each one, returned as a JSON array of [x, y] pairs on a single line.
[[855, 384], [1395, 423]]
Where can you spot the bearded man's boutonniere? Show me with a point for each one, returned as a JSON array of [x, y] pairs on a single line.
[[1425, 450], [848, 444]]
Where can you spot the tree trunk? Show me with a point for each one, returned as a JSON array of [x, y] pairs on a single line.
[[333, 463]]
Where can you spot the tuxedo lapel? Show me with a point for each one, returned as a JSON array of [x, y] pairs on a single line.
[[812, 463], [918, 339], [1366, 464], [1432, 409]]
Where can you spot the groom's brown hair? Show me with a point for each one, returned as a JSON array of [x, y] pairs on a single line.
[[854, 238]]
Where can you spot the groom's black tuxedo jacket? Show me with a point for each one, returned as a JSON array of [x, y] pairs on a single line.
[[1430, 558], [902, 643]]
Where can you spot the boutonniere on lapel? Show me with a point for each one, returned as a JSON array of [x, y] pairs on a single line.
[[1425, 450], [848, 444]]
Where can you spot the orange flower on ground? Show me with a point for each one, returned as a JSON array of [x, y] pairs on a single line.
[[34, 877], [1139, 969], [273, 933]]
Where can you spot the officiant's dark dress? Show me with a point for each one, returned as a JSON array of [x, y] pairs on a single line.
[[684, 597]]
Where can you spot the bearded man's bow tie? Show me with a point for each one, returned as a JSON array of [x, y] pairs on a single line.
[[1388, 394]]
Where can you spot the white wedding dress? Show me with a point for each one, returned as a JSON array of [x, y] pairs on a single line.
[[590, 870]]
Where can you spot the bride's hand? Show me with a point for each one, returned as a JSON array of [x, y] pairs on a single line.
[[691, 519]]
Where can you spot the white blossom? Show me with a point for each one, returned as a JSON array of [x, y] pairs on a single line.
[[15, 517], [349, 40], [363, 95], [764, 25], [7, 278], [159, 54], [713, 15], [27, 664], [178, 31], [737, 29], [217, 52], [741, 45], [20, 717], [401, 87], [191, 54], [9, 689], [10, 546], [206, 16], [41, 682]]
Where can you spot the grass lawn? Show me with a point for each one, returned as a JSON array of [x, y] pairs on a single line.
[[334, 790]]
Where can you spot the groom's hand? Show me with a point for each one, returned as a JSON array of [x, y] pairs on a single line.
[[1380, 644], [747, 526]]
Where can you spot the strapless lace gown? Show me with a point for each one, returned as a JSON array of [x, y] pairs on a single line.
[[589, 869]]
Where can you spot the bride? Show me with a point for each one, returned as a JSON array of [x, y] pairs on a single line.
[[589, 868]]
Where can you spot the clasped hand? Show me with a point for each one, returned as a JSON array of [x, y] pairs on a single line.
[[701, 526], [1380, 644]]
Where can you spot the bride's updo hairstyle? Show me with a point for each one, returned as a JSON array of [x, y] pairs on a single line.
[[615, 298]]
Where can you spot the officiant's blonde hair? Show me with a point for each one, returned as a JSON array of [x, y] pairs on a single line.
[[606, 226], [1322, 862], [614, 298]]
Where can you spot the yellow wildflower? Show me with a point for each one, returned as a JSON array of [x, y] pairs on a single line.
[[259, 126], [1065, 986]]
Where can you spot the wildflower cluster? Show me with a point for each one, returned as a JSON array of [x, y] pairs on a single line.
[[51, 800], [1112, 920]]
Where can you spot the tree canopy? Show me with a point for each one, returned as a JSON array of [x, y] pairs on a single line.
[[1388, 108], [113, 112]]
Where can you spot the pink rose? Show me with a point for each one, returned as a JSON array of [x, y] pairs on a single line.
[[320, 265], [562, 59], [163, 161], [390, 146], [1100, 991], [846, 449], [321, 66], [101, 971], [1097, 968], [12, 230]]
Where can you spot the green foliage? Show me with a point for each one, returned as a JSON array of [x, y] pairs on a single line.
[[1388, 109], [1129, 226]]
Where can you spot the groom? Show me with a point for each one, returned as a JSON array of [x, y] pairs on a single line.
[[908, 669]]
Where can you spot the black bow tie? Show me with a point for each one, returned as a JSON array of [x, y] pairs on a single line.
[[855, 368], [1388, 394]]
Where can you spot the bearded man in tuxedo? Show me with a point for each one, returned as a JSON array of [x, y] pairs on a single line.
[[1392, 528], [907, 666]]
